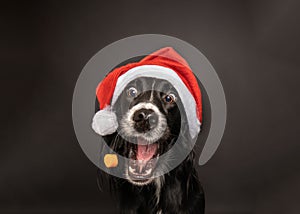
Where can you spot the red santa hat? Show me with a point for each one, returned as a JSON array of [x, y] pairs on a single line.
[[165, 64]]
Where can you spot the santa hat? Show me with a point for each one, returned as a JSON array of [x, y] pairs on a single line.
[[165, 64]]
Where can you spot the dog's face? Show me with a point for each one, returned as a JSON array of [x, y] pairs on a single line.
[[150, 121]]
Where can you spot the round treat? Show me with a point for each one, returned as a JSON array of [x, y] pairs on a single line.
[[110, 160]]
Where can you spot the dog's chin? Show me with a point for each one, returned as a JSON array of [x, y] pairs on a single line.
[[140, 182], [142, 162]]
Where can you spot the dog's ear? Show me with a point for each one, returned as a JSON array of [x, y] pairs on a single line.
[[205, 126], [185, 136], [121, 106]]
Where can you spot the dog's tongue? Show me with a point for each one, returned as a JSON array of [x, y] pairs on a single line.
[[145, 152]]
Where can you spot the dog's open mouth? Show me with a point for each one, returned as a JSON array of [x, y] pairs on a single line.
[[142, 160]]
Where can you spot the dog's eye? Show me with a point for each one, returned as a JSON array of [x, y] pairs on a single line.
[[132, 92], [170, 98]]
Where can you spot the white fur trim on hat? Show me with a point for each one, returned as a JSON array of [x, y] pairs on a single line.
[[105, 122]]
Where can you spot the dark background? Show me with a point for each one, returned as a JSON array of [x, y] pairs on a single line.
[[254, 47]]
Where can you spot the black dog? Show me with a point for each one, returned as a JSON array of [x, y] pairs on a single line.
[[150, 124]]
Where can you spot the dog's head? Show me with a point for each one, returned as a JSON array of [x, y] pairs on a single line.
[[144, 108], [150, 123]]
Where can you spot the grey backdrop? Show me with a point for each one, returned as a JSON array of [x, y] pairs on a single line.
[[254, 47]]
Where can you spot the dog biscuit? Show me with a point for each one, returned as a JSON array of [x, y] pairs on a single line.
[[110, 160]]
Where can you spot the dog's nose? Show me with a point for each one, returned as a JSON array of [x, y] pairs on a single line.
[[145, 119]]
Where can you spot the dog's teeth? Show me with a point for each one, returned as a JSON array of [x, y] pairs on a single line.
[[148, 171], [131, 169]]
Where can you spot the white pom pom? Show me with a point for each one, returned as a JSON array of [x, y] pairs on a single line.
[[105, 122]]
